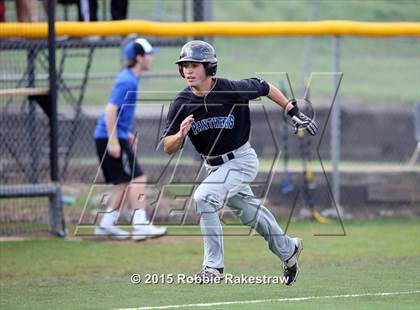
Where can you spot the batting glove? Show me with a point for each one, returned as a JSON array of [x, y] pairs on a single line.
[[300, 120]]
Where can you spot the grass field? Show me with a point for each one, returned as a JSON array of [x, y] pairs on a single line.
[[375, 257], [375, 265]]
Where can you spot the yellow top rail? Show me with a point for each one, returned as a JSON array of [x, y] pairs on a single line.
[[149, 28]]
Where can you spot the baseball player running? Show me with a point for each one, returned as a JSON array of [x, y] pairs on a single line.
[[214, 114]]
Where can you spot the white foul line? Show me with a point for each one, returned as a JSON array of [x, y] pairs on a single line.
[[258, 301]]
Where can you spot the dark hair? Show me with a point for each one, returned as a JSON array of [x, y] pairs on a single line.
[[130, 63], [139, 49]]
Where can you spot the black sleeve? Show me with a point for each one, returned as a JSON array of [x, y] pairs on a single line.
[[251, 88], [174, 119]]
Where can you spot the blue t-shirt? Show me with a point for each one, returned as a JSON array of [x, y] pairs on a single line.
[[123, 95]]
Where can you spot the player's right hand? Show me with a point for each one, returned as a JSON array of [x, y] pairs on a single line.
[[186, 125], [114, 150]]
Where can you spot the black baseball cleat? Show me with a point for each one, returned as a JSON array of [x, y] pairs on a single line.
[[291, 266], [209, 275]]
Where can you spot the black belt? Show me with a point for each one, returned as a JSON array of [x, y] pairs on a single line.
[[218, 160]]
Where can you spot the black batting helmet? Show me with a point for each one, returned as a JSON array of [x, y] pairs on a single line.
[[198, 51]]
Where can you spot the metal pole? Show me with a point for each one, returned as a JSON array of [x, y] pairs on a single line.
[[104, 9], [336, 123], [308, 47], [53, 92], [208, 16], [66, 12], [31, 124], [198, 14], [56, 211], [184, 10]]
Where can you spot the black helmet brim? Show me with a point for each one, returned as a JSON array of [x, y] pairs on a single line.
[[184, 59]]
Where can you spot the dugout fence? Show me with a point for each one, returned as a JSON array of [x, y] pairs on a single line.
[[42, 145], [46, 98]]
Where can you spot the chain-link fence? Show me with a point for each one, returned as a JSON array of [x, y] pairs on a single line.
[[25, 135], [85, 70]]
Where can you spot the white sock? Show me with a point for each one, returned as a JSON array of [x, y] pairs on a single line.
[[140, 217], [110, 218]]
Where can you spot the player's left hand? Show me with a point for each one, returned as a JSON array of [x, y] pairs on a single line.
[[300, 120]]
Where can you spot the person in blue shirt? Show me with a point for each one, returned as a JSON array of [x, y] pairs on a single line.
[[116, 147]]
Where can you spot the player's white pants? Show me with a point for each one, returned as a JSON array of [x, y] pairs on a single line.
[[228, 184]]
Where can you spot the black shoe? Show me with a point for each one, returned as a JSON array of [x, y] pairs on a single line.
[[291, 267], [209, 275]]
